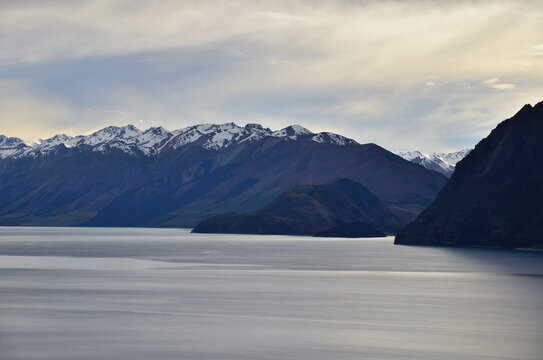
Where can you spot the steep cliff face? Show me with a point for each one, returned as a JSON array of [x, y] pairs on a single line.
[[495, 196]]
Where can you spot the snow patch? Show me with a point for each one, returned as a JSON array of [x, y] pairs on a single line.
[[445, 163], [292, 132], [152, 141], [331, 138]]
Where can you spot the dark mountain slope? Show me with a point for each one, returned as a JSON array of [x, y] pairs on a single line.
[[116, 183], [272, 167], [69, 190], [495, 196], [308, 209]]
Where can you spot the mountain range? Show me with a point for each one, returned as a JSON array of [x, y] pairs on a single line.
[[494, 197], [123, 176], [445, 163], [156, 140]]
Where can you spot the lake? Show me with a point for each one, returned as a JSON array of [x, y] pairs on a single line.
[[102, 293]]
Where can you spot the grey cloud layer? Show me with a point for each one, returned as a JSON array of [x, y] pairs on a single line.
[[431, 75]]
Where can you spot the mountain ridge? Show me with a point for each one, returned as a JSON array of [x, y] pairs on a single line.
[[154, 140], [494, 197], [444, 163], [108, 178]]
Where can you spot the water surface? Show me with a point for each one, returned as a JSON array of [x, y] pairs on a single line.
[[80, 293]]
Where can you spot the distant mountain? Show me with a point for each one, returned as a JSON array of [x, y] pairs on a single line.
[[156, 140], [307, 210], [442, 162], [495, 196], [123, 176]]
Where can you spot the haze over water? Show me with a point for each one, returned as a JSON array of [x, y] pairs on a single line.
[[80, 293]]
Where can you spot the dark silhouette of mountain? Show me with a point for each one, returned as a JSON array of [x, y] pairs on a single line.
[[351, 230], [495, 196], [122, 176], [308, 209]]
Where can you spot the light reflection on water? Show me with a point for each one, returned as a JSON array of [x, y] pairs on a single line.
[[77, 293]]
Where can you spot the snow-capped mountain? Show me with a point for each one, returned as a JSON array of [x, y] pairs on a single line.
[[10, 145], [154, 140], [123, 176], [445, 163]]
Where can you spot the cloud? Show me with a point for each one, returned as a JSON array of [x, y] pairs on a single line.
[[495, 83], [504, 86], [492, 81], [330, 39], [375, 70]]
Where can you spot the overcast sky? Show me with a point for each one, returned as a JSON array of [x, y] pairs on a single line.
[[412, 74]]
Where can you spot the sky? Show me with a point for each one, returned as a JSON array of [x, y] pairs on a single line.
[[407, 75]]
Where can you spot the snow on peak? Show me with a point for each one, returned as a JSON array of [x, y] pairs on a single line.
[[292, 132], [256, 127], [158, 131], [152, 141], [410, 155], [110, 133], [445, 163], [9, 145], [331, 138], [299, 130], [218, 136], [56, 140], [451, 158], [224, 136], [9, 141]]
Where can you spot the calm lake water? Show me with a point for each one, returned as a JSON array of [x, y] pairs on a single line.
[[80, 293]]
